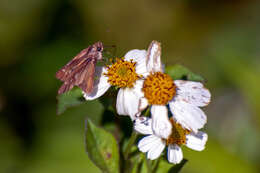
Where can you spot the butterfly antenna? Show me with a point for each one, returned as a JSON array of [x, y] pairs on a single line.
[[111, 54], [110, 46]]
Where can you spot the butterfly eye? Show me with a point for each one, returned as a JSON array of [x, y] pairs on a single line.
[[98, 48]]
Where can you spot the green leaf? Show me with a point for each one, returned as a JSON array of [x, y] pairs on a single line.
[[71, 98], [165, 166], [139, 163], [102, 148], [180, 72], [177, 168]]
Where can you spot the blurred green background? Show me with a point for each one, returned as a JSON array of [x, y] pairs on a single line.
[[218, 39]]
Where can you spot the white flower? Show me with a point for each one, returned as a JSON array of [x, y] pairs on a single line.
[[126, 74], [184, 97], [154, 145]]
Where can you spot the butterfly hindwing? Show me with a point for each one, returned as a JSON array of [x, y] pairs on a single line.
[[88, 78]]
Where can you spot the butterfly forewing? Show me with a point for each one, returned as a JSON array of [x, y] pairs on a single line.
[[80, 70], [66, 70]]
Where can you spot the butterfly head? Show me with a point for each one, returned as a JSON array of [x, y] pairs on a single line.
[[98, 46]]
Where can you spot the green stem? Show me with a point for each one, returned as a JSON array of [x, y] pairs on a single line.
[[148, 165], [129, 145], [155, 164], [147, 112]]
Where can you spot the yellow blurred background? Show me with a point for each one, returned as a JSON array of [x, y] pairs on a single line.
[[219, 40]]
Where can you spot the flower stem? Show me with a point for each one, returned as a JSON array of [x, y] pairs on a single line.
[[148, 165], [129, 145], [147, 112], [155, 164]]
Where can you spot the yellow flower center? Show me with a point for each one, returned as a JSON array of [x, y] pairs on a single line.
[[159, 88], [178, 135], [122, 73]]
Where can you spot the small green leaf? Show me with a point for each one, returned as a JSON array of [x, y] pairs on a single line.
[[177, 168], [163, 166], [71, 98], [139, 163], [102, 148], [180, 72]]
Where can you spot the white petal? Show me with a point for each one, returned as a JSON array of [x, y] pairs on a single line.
[[160, 121], [189, 116], [138, 87], [153, 145], [174, 154], [146, 143], [156, 150], [101, 84], [154, 57], [127, 102], [135, 55], [196, 141], [143, 125], [143, 103], [192, 92], [138, 56]]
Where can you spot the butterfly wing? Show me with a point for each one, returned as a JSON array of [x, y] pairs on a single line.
[[69, 69], [87, 78], [82, 76], [80, 70]]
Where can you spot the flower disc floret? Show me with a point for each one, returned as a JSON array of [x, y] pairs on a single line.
[[122, 73], [159, 88], [178, 135]]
